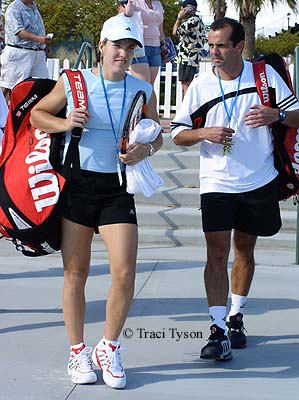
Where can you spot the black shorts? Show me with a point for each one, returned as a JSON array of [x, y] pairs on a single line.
[[186, 72], [97, 199], [256, 212]]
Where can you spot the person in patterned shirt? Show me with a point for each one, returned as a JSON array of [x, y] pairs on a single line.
[[190, 30]]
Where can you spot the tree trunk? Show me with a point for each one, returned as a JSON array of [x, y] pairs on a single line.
[[221, 8], [249, 27]]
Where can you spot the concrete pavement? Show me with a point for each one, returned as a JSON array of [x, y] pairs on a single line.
[[167, 326]]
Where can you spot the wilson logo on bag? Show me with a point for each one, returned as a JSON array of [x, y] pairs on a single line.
[[30, 185], [286, 140]]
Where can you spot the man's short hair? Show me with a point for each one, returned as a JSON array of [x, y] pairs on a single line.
[[238, 33]]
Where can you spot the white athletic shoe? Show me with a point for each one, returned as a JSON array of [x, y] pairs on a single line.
[[80, 367], [107, 358]]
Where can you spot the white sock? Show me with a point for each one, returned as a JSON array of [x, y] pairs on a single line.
[[218, 316], [77, 347], [114, 343], [238, 304]]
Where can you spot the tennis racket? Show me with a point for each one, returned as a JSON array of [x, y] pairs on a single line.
[[135, 114]]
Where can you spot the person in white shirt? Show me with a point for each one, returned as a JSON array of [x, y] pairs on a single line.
[[222, 111]]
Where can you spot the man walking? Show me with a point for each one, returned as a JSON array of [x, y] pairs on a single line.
[[239, 193]]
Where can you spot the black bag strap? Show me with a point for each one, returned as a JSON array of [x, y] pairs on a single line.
[[71, 166]]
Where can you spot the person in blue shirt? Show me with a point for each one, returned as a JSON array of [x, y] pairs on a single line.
[[99, 201]]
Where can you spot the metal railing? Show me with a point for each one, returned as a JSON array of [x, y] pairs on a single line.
[[88, 48]]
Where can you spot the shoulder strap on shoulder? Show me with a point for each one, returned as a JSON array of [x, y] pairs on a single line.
[[71, 165], [261, 81], [78, 87]]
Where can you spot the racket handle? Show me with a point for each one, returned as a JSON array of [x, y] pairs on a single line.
[[123, 145]]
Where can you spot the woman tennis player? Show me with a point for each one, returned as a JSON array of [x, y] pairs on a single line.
[[98, 200]]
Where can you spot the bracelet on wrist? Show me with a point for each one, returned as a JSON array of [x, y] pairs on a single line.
[[151, 150]]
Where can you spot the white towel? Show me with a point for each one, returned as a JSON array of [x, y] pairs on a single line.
[[141, 177]]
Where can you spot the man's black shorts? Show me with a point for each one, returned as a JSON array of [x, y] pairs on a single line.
[[186, 72], [97, 199], [256, 212]]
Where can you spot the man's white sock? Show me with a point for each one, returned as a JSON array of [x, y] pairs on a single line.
[[218, 316], [237, 304]]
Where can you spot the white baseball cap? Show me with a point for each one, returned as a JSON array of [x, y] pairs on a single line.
[[120, 27]]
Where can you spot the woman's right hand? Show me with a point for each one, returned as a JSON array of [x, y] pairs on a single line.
[[78, 117]]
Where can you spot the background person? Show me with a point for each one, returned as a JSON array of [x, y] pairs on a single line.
[[24, 54], [99, 200], [147, 67], [239, 192], [190, 30]]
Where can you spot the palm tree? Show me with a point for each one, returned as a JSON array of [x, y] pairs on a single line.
[[248, 10], [218, 8]]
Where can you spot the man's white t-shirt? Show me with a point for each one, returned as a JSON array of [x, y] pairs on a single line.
[[251, 163]]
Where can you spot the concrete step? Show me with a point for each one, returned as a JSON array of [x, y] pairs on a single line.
[[170, 197], [288, 205], [179, 177], [190, 239], [168, 217], [195, 237], [168, 144], [175, 160], [188, 196], [289, 220], [154, 216], [197, 254]]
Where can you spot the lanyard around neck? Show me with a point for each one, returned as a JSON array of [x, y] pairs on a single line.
[[115, 133], [229, 113]]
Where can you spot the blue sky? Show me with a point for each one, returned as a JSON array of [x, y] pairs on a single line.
[[268, 21]]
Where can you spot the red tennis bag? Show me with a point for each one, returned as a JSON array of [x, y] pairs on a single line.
[[286, 140], [30, 185]]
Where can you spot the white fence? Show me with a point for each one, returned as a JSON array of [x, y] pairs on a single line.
[[167, 87]]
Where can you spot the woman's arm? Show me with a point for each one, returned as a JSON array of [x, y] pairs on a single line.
[[127, 9], [43, 115], [162, 35], [151, 112]]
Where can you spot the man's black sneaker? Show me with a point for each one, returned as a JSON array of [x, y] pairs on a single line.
[[236, 331], [218, 347]]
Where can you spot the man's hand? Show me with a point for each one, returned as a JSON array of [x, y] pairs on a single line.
[[218, 134], [261, 116]]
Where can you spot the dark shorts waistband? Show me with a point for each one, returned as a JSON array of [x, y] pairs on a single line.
[[24, 48]]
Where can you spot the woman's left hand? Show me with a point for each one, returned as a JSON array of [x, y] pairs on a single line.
[[135, 152]]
